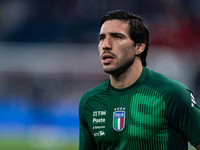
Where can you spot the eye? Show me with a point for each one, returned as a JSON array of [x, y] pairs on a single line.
[[117, 37], [101, 38]]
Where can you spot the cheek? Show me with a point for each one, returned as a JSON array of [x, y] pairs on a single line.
[[128, 51], [99, 48]]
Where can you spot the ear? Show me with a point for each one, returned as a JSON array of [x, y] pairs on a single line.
[[140, 48]]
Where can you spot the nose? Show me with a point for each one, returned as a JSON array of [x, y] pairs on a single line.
[[106, 45]]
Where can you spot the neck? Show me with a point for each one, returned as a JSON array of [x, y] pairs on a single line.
[[128, 77]]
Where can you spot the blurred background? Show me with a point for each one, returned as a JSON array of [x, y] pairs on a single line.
[[49, 58]]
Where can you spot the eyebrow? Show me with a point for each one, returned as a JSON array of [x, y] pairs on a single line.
[[112, 34], [101, 35]]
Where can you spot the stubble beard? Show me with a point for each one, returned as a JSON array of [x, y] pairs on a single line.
[[121, 67]]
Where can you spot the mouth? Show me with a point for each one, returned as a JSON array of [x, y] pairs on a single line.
[[107, 58]]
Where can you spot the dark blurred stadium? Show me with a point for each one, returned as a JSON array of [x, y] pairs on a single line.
[[49, 58]]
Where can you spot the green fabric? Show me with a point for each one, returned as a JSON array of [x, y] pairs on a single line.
[[158, 114]]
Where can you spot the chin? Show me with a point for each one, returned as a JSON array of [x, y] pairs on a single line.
[[106, 70], [115, 71], [110, 70]]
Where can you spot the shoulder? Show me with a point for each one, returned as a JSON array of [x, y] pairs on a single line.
[[92, 92], [164, 84], [179, 100], [171, 90], [88, 95]]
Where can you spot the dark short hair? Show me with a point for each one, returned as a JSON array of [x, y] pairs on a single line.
[[139, 32]]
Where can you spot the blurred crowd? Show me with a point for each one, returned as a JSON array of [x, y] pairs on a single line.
[[48, 99], [174, 23]]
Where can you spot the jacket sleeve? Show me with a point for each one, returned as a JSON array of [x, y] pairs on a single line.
[[86, 140], [185, 115]]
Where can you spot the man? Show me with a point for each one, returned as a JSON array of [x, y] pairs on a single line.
[[136, 108]]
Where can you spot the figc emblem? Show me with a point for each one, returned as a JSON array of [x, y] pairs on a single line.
[[119, 120]]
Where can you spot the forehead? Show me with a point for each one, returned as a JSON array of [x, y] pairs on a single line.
[[115, 26]]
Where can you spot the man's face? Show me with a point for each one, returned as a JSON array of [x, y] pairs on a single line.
[[116, 48]]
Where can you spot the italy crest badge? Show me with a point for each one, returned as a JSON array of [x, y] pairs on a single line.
[[118, 120]]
